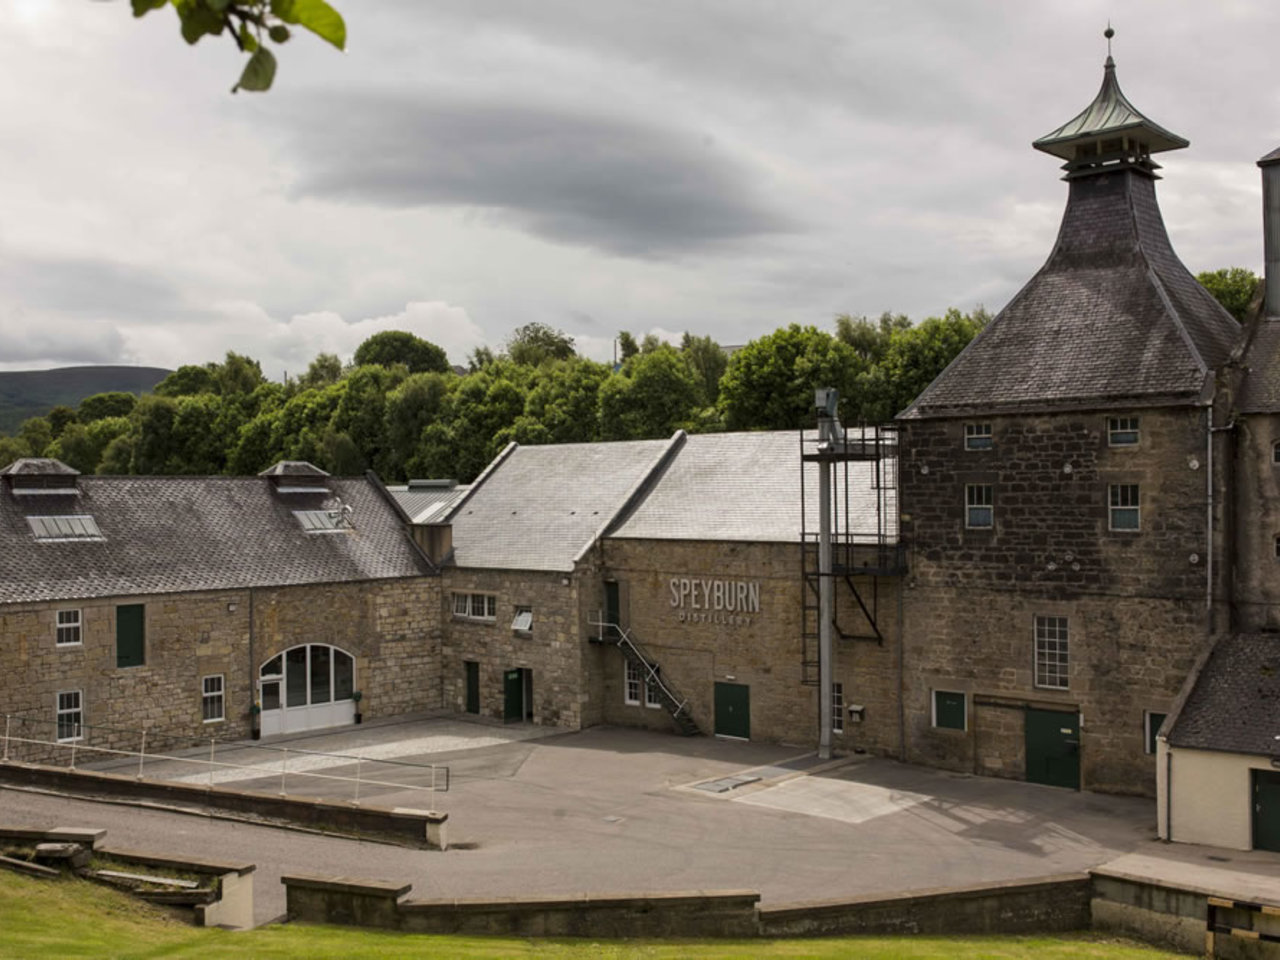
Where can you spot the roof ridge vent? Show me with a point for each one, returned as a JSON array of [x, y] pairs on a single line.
[[296, 476], [34, 476]]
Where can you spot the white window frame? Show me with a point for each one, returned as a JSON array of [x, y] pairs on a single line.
[[933, 710], [482, 607], [632, 683], [522, 622], [1051, 630], [978, 436], [59, 711], [1148, 734], [652, 699], [209, 696], [76, 625], [837, 707], [970, 489], [1120, 491], [1118, 428]]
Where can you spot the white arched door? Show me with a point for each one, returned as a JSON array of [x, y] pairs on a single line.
[[307, 687]]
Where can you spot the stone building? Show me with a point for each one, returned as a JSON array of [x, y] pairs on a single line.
[[1058, 489], [177, 603]]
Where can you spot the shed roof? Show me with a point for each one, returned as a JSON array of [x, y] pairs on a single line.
[[425, 504], [1234, 705], [177, 534]]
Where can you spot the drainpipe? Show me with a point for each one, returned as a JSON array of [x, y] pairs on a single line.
[[825, 607], [253, 660], [902, 706]]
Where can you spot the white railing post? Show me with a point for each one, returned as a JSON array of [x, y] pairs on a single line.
[[284, 767], [7, 718], [359, 761], [75, 739], [142, 752], [212, 743]]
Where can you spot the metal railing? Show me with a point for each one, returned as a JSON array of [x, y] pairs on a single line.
[[622, 639], [73, 741]]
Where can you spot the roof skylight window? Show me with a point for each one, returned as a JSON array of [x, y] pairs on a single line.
[[324, 521], [65, 528]]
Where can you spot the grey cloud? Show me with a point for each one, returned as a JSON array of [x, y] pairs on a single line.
[[29, 340], [87, 287], [620, 186]]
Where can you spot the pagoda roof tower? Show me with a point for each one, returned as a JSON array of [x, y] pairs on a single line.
[[1113, 318]]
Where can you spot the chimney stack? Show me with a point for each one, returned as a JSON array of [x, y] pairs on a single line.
[[1270, 165]]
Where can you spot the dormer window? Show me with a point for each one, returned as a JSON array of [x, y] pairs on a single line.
[[977, 436], [64, 529], [1122, 431]]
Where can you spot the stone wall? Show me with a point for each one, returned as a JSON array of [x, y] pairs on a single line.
[[696, 647], [392, 628], [1134, 601], [1257, 507]]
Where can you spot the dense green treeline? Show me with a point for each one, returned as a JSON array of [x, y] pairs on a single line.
[[400, 409]]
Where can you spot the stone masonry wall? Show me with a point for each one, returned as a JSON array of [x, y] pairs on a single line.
[[1134, 601], [1257, 565], [763, 650], [392, 628]]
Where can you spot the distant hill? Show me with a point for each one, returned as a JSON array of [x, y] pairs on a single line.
[[33, 393]]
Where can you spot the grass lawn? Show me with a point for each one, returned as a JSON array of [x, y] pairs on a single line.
[[78, 919]]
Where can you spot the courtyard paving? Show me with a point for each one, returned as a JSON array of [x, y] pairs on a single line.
[[618, 810]]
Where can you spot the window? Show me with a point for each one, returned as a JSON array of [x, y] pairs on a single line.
[[211, 706], [977, 436], [55, 529], [522, 623], [1051, 652], [978, 511], [68, 633], [131, 635], [1124, 512], [1122, 431], [837, 708], [1275, 452], [475, 606], [1278, 548], [949, 711], [1153, 723], [70, 716], [631, 684], [652, 696], [324, 521]]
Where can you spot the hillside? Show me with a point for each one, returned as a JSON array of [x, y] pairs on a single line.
[[32, 393]]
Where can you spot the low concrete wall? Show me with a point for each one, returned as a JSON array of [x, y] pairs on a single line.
[[418, 828], [1055, 904], [730, 913]]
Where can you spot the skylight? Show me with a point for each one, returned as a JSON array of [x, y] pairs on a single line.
[[65, 528], [322, 521]]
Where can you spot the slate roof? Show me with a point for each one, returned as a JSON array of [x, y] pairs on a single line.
[[743, 487], [1113, 317], [1260, 388], [38, 467], [1235, 703], [176, 534], [538, 507], [425, 504]]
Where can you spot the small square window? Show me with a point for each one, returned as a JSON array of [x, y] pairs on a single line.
[[1124, 512], [837, 708], [211, 701], [979, 513], [1051, 652], [523, 620], [949, 712], [977, 436], [1153, 723], [68, 633], [1122, 431], [70, 716]]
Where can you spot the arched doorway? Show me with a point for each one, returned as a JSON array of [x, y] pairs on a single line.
[[307, 687]]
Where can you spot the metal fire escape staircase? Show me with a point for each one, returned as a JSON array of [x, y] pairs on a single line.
[[865, 543], [650, 674]]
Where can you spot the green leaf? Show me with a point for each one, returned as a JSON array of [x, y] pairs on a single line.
[[248, 42], [258, 72], [219, 6], [279, 33], [197, 20], [317, 16], [143, 7]]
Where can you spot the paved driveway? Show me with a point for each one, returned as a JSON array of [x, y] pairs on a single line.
[[615, 810]]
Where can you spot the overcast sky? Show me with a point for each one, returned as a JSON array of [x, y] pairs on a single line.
[[468, 166]]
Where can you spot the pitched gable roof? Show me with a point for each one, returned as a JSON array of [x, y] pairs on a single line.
[[1235, 703]]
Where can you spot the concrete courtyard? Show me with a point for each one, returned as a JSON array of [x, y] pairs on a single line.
[[620, 810]]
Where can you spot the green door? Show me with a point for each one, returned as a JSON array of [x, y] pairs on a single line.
[[513, 696], [1053, 748], [473, 686], [733, 710], [1266, 810], [612, 609]]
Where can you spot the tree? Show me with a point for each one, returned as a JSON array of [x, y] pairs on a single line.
[[60, 417], [480, 358], [708, 363], [252, 24], [37, 434], [627, 346], [1233, 287], [535, 343], [82, 445], [410, 407], [564, 402], [870, 340], [187, 380], [326, 368], [398, 346], [650, 397], [116, 403], [769, 383]]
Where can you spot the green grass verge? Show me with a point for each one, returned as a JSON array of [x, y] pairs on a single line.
[[40, 919]]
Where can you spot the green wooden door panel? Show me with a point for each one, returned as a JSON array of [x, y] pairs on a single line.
[[1053, 748], [131, 635], [512, 696], [1266, 810], [733, 710], [473, 686]]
